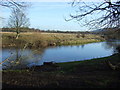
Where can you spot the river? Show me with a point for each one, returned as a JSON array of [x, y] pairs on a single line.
[[29, 57]]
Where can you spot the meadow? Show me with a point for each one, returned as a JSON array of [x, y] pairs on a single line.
[[38, 39]]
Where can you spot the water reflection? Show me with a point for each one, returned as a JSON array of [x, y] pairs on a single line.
[[112, 44], [82, 46], [21, 58], [29, 57]]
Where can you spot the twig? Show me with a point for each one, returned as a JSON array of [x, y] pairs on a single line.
[[6, 59]]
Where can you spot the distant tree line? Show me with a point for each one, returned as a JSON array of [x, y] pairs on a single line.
[[58, 31], [23, 29], [27, 29]]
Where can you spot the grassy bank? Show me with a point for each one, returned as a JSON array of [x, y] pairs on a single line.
[[80, 74], [37, 39]]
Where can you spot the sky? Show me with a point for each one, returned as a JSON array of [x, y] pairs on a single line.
[[49, 15]]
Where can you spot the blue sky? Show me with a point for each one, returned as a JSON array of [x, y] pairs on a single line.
[[49, 16]]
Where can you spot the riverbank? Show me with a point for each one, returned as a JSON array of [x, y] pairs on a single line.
[[80, 74], [37, 39]]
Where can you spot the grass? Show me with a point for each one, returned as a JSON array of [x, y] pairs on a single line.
[[37, 39], [79, 74]]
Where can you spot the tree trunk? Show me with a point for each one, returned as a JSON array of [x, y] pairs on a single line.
[[17, 36], [18, 33]]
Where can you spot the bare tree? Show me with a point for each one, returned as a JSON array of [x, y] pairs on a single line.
[[18, 17], [98, 14], [18, 20], [11, 4]]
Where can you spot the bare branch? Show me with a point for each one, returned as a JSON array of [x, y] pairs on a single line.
[[12, 4], [109, 14]]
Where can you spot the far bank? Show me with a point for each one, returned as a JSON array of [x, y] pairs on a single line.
[[38, 39]]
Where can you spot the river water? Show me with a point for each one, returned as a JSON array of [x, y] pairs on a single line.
[[29, 57]]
